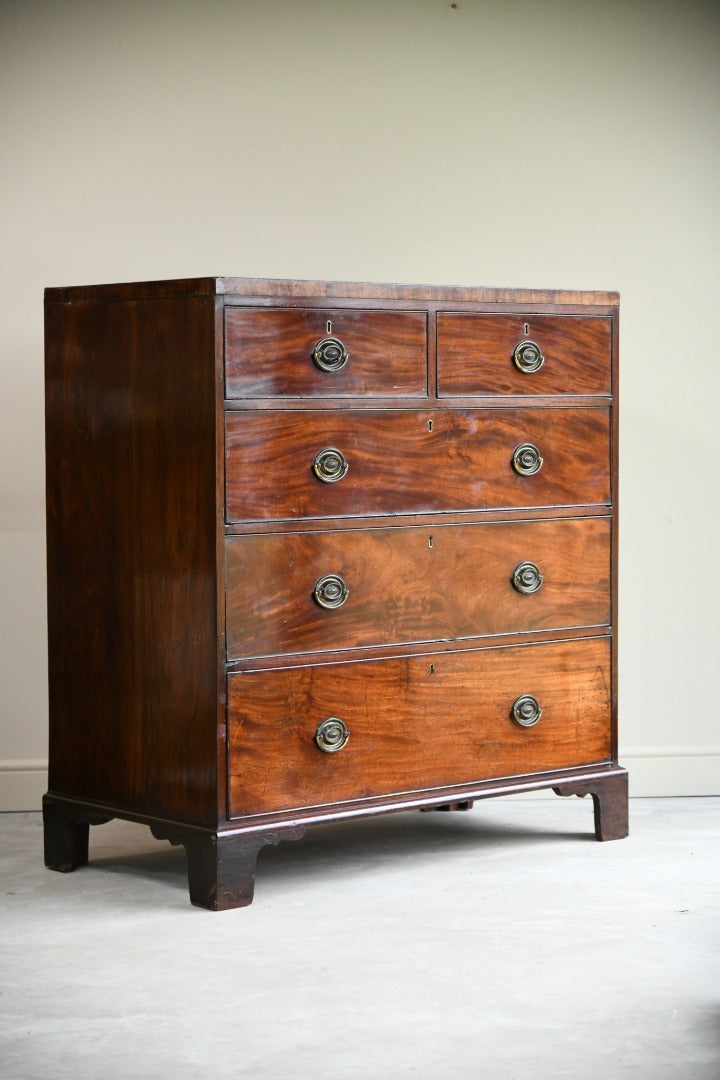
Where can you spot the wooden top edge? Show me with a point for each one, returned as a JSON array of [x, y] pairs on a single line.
[[375, 291], [180, 288], [299, 289]]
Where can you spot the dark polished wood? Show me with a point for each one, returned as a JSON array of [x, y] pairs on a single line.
[[467, 804], [221, 869], [414, 584], [610, 803], [414, 723], [184, 423], [413, 462], [269, 352], [475, 354], [132, 579], [66, 831]]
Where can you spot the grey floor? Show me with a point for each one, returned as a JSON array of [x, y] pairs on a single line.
[[500, 943]]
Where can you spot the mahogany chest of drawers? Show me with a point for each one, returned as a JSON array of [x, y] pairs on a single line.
[[325, 550]]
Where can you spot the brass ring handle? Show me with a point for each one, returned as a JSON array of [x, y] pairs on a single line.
[[330, 354], [526, 710], [528, 357], [331, 735], [330, 465], [330, 591], [527, 459], [527, 577]]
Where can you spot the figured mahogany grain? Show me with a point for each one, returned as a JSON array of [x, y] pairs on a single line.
[[414, 723], [137, 445], [474, 354], [268, 352], [413, 584], [404, 462]]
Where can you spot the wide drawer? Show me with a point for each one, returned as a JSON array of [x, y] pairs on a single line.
[[414, 723], [414, 584], [523, 354], [328, 352], [406, 462]]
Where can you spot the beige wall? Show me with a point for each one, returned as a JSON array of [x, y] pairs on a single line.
[[552, 144]]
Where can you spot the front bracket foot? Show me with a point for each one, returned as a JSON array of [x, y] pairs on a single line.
[[610, 802], [221, 868]]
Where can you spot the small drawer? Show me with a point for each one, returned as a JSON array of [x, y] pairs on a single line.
[[329, 352], [340, 590], [313, 736], [523, 354], [332, 464]]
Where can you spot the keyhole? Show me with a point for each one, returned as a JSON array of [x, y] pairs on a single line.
[[527, 329], [430, 425], [430, 541], [329, 327], [432, 669]]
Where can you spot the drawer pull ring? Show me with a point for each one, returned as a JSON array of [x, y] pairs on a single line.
[[526, 459], [331, 735], [528, 357], [330, 354], [330, 591], [527, 577], [330, 465], [526, 710]]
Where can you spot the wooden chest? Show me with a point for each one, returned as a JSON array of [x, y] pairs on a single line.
[[320, 550]]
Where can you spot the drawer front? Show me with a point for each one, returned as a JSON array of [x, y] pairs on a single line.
[[479, 354], [413, 462], [414, 584], [414, 723], [273, 352]]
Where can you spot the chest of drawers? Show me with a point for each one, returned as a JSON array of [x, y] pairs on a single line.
[[318, 551]]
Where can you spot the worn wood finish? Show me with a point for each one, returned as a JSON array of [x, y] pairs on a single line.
[[221, 869], [414, 584], [130, 452], [445, 296], [424, 661], [475, 354], [239, 289], [610, 803], [413, 462], [414, 724], [66, 832], [269, 352]]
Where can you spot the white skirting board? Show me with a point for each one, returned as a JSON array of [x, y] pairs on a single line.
[[22, 785], [679, 770], [653, 774]]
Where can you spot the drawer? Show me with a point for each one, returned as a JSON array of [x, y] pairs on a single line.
[[414, 723], [414, 584], [407, 462], [523, 354], [332, 352]]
